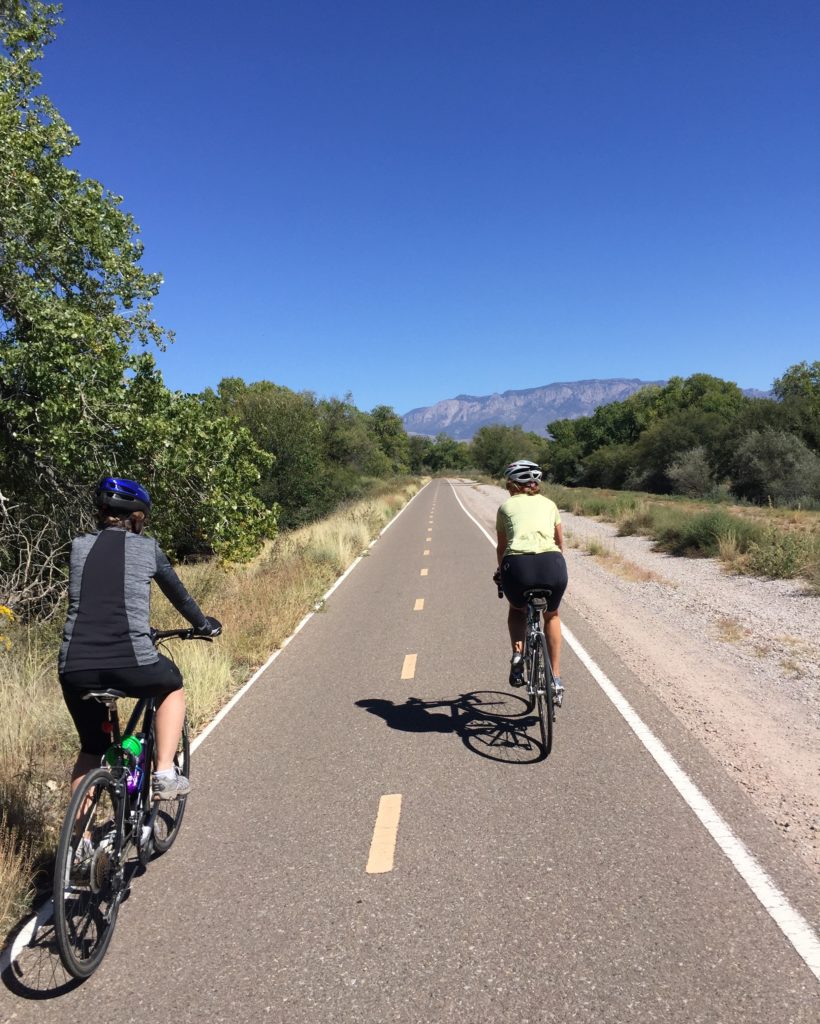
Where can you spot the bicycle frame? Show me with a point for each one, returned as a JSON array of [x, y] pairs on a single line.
[[131, 806], [535, 605]]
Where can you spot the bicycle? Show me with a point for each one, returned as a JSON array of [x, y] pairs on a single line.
[[112, 825], [542, 692]]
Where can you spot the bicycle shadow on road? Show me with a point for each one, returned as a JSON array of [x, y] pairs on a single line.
[[30, 964], [491, 724]]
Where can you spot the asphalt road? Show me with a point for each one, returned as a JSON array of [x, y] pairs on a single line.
[[576, 888]]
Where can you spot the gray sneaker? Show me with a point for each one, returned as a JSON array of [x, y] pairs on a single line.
[[170, 788]]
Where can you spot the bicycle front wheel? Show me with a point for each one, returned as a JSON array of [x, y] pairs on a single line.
[[168, 820], [88, 881], [542, 684]]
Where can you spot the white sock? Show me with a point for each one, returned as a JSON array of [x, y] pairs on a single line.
[[166, 773]]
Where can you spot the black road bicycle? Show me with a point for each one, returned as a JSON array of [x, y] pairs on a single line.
[[542, 693], [112, 826]]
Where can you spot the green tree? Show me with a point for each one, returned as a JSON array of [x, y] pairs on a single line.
[[799, 393], [447, 454], [496, 446], [391, 437], [666, 441], [419, 449], [286, 425], [608, 466], [73, 297], [800, 381], [77, 396]]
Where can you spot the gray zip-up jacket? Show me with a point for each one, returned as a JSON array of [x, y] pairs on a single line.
[[109, 594]]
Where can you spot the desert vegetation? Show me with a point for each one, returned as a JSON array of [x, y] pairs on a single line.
[[760, 541]]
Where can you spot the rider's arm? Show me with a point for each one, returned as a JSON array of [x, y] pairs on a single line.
[[559, 536], [172, 586], [501, 545]]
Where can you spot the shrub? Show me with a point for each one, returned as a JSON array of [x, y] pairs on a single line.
[[691, 473], [635, 518], [779, 555], [773, 465], [682, 533]]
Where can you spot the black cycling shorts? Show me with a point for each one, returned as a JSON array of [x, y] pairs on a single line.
[[154, 680], [522, 572]]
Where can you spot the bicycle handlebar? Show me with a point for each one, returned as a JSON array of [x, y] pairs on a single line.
[[183, 634]]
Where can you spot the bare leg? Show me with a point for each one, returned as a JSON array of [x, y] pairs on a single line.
[[553, 630], [168, 722], [83, 765], [517, 623]]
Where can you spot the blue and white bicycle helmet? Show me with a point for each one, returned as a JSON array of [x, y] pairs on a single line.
[[123, 495], [523, 472]]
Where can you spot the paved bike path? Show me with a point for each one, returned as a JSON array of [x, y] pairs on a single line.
[[580, 888]]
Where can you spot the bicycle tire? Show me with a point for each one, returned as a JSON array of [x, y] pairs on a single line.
[[170, 812], [542, 679], [87, 881]]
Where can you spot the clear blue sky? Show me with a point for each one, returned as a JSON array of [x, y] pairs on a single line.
[[412, 200]]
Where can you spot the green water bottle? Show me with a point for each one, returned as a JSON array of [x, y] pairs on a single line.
[[127, 752], [134, 746]]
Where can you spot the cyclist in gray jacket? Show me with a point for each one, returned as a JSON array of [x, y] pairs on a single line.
[[107, 635]]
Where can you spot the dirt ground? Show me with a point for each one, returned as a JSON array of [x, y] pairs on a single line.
[[736, 659]]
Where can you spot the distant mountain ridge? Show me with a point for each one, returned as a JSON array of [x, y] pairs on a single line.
[[532, 408]]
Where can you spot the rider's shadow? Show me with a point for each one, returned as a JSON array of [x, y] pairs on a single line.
[[490, 724]]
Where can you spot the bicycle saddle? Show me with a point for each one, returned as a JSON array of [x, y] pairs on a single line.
[[104, 696], [538, 595]]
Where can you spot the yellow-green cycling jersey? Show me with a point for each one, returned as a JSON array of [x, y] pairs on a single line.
[[528, 522]]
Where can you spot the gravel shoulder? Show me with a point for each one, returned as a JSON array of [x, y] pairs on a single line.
[[736, 659]]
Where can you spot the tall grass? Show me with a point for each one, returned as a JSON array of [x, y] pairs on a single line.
[[776, 543], [259, 605]]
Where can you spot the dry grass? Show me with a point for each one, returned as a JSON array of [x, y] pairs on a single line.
[[794, 668], [768, 542], [730, 630], [623, 567], [16, 862], [259, 605]]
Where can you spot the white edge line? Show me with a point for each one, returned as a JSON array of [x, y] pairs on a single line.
[[790, 922], [45, 910]]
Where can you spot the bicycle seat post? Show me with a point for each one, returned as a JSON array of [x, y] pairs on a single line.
[[108, 698]]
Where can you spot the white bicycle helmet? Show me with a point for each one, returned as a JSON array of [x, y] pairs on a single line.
[[523, 472]]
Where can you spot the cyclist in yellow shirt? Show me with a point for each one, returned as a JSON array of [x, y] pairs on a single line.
[[530, 554]]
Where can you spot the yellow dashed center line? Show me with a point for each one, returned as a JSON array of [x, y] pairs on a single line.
[[419, 605], [408, 669], [424, 572], [385, 832]]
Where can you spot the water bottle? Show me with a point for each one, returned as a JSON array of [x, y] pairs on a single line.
[[134, 746], [124, 753]]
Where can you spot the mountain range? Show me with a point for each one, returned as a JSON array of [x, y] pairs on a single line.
[[532, 408]]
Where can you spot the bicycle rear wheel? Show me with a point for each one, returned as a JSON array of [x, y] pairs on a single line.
[[169, 812], [88, 882], [542, 682]]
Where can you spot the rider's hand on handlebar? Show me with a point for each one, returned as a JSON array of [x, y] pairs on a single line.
[[213, 628], [497, 577]]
